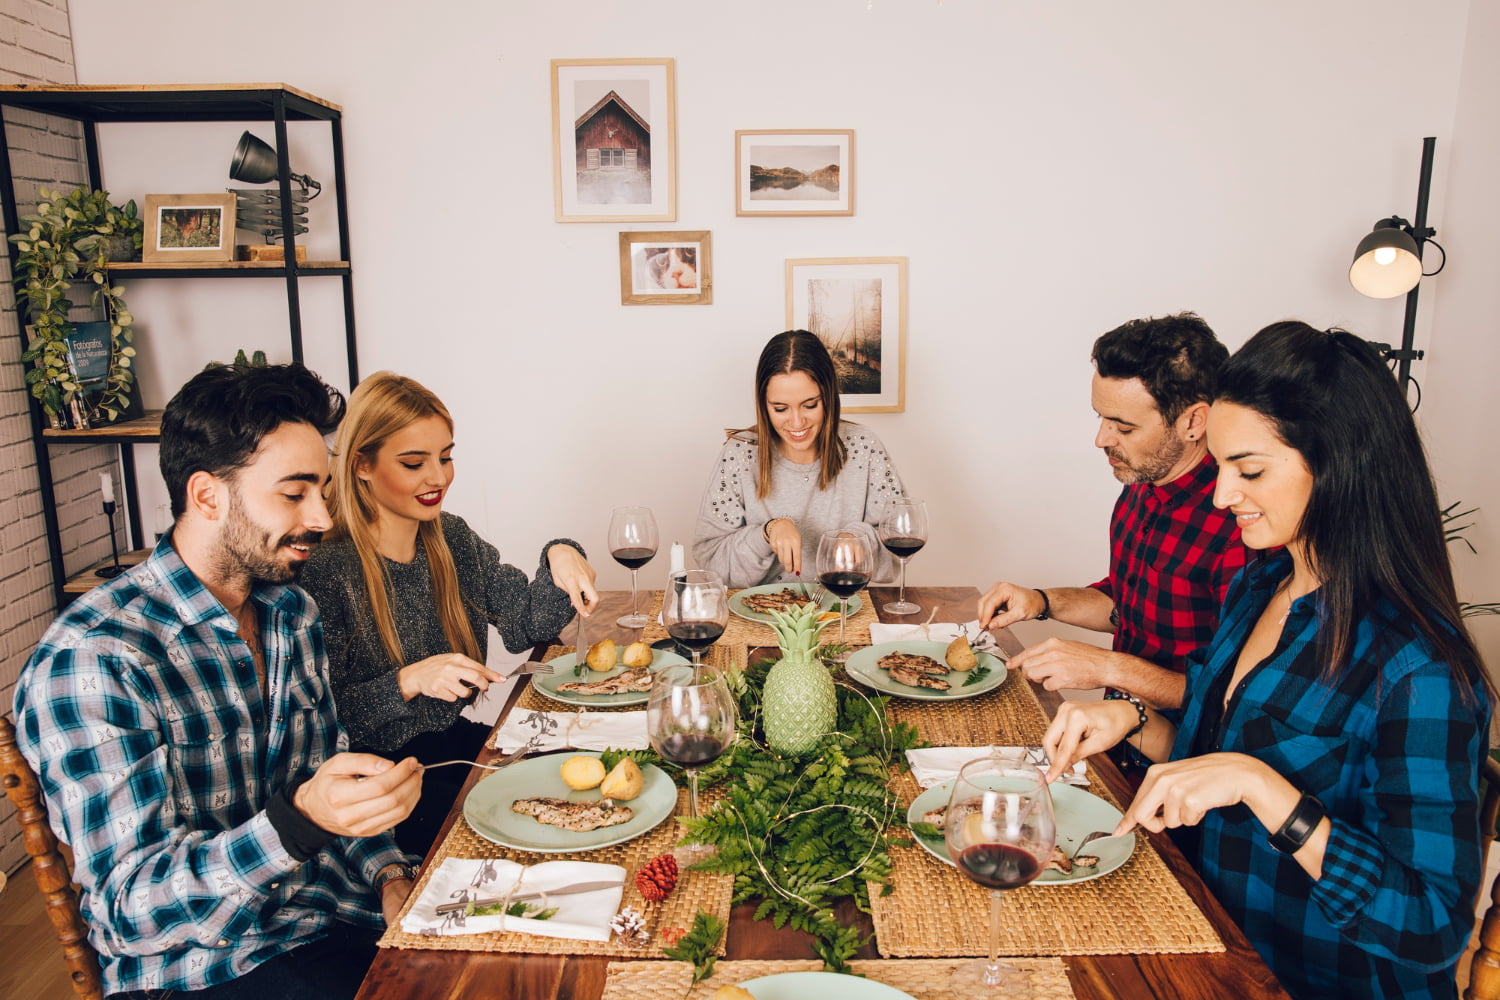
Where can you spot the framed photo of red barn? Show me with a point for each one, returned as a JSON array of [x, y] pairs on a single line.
[[614, 140], [857, 307]]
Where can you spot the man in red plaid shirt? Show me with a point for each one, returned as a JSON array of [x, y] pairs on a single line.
[[1172, 554]]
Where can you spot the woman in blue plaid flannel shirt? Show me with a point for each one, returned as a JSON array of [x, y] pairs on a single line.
[[1326, 756]]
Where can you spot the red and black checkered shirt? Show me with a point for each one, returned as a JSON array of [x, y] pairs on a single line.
[[1172, 555]]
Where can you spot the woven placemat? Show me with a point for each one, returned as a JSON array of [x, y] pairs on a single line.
[[925, 979], [695, 891], [742, 632]]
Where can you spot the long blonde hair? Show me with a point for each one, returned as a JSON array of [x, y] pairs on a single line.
[[380, 406]]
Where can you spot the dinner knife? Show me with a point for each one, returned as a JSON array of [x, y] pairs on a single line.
[[567, 890]]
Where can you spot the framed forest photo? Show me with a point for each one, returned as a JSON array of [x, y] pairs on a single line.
[[857, 307], [188, 228], [794, 172], [614, 140]]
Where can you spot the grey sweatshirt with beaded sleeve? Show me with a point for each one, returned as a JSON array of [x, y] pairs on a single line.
[[364, 680], [729, 538]]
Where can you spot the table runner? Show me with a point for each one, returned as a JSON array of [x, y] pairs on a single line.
[[1138, 909], [925, 979], [695, 891]]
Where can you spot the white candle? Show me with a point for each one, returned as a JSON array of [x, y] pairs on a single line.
[[107, 485], [679, 559]]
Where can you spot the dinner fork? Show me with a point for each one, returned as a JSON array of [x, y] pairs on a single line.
[[505, 761], [1086, 841], [530, 667]]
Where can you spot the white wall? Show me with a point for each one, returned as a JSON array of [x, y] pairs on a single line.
[[1049, 169]]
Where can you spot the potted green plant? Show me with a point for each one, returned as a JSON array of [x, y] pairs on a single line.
[[73, 237]]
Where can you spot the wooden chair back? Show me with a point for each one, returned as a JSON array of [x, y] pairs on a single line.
[[1484, 974], [53, 875]]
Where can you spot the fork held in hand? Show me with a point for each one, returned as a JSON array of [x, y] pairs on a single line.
[[505, 761]]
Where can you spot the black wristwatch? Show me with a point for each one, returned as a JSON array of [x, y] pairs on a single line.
[[1046, 607], [1299, 826], [393, 873]]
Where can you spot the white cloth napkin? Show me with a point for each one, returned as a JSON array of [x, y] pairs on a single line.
[[938, 632], [583, 916], [935, 765], [544, 731]]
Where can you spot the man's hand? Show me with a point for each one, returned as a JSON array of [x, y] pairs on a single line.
[[573, 575], [446, 676], [393, 896], [786, 542], [1004, 604], [1063, 663], [360, 794]]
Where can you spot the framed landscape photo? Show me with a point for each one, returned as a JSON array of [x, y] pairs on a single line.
[[857, 307], [614, 140], [666, 269], [188, 228], [794, 172]]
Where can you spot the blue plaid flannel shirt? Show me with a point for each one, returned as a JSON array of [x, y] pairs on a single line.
[[1392, 750], [141, 713]]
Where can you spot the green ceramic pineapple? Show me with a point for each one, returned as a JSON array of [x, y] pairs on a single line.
[[799, 703]]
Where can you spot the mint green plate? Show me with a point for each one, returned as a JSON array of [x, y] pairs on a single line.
[[823, 985], [488, 807], [829, 602], [563, 665], [861, 666], [1079, 813]]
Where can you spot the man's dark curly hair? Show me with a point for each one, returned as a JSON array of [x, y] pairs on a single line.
[[1177, 358]]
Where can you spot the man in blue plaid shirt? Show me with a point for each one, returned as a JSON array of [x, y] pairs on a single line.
[[181, 723]]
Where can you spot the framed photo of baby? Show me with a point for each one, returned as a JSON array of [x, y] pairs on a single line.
[[857, 307], [614, 140], [666, 269]]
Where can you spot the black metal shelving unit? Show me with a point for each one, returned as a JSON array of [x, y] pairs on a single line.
[[92, 106]]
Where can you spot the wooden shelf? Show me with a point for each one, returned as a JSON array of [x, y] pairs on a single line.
[[227, 269], [139, 431], [86, 581], [170, 102]]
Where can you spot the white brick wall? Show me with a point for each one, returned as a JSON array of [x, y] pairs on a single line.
[[35, 47]]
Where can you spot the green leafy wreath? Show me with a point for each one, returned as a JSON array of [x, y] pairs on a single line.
[[72, 235]]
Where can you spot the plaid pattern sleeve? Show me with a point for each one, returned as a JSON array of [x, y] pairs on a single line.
[[1172, 557], [141, 713], [1391, 746]]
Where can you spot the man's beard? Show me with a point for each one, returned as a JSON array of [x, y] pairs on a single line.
[[246, 552], [1156, 466]]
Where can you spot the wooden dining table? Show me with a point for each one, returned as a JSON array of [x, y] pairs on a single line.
[[1238, 971]]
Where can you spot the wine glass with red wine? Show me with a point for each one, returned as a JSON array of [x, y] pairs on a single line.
[[1000, 829], [903, 531], [690, 720], [695, 610], [845, 563], [632, 541]]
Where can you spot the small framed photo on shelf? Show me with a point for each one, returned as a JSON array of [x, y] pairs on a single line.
[[666, 269], [857, 307], [614, 140], [794, 172], [188, 228]]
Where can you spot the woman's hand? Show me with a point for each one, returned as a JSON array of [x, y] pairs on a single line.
[[1083, 728], [1181, 792], [786, 542], [573, 575], [446, 676]]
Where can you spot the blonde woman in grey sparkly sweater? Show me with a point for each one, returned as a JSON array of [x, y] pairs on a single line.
[[801, 471], [407, 591]]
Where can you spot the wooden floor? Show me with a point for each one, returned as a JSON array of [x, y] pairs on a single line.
[[33, 967]]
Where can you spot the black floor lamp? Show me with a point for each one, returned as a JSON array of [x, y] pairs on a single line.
[[1388, 263]]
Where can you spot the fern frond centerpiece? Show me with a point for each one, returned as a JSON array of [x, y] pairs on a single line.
[[798, 705]]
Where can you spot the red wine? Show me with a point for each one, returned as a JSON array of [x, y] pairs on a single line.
[[844, 584], [696, 634], [904, 548], [633, 558], [999, 866], [691, 749]]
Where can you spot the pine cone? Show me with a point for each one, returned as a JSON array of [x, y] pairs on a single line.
[[658, 878]]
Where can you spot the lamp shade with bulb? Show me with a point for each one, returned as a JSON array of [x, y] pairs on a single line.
[[1386, 262]]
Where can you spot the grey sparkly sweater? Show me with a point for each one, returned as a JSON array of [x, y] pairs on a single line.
[[363, 677]]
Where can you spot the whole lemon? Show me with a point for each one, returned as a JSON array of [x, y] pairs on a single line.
[[580, 772]]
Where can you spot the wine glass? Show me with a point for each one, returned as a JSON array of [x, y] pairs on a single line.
[[690, 720], [1000, 830], [632, 541], [845, 563], [695, 610], [903, 531]]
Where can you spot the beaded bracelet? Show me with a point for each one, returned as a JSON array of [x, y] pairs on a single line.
[[1046, 606], [1140, 709]]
